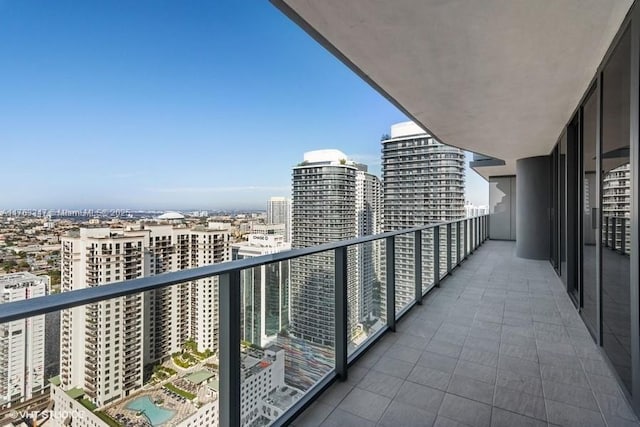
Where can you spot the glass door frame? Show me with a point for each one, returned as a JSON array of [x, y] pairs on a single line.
[[633, 20], [572, 209]]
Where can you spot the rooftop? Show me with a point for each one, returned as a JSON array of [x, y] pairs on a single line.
[[199, 376], [55, 380], [75, 392], [171, 216]]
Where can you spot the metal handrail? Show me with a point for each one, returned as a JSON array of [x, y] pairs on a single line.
[[36, 306]]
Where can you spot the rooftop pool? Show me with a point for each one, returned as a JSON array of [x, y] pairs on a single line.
[[156, 415]]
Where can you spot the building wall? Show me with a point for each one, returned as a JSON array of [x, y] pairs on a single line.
[[208, 246], [207, 415], [164, 305], [69, 412]]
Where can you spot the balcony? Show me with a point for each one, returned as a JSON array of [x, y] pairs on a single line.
[[499, 343], [454, 333]]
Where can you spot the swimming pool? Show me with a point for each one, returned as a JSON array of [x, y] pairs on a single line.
[[156, 415]]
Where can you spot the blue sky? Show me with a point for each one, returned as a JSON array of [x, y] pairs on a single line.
[[157, 104]]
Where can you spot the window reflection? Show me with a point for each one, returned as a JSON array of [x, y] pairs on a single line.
[[616, 198]]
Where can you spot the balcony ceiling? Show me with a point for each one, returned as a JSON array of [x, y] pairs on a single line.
[[496, 77]]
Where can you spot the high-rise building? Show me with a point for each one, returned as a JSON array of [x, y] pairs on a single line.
[[22, 342], [105, 346], [279, 212], [423, 184], [326, 190], [472, 210], [167, 308], [368, 273], [265, 289], [208, 245], [102, 345], [181, 312]]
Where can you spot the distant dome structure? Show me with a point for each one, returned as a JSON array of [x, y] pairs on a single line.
[[171, 216]]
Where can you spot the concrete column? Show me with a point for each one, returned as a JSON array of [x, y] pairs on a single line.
[[532, 207]]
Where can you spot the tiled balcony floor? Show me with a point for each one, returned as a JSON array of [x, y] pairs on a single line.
[[499, 344]]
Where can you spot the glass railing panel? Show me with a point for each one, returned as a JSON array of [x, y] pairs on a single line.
[[460, 240], [404, 266], [427, 260], [443, 251], [288, 333], [130, 359], [366, 290], [454, 244], [626, 236], [607, 232], [25, 362], [159, 349]]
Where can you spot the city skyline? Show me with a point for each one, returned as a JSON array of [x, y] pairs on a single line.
[[319, 213], [142, 108], [476, 189]]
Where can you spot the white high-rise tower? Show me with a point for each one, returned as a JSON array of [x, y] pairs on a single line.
[[423, 184], [105, 346], [21, 341], [331, 203]]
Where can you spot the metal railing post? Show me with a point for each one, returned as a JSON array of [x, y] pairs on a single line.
[[623, 235], [606, 231], [230, 373], [615, 234], [472, 233], [436, 256], [417, 251], [449, 251], [391, 282], [458, 246], [486, 227], [466, 237], [341, 313], [486, 235], [477, 233]]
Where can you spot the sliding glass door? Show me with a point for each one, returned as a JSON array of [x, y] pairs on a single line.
[[616, 184]]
